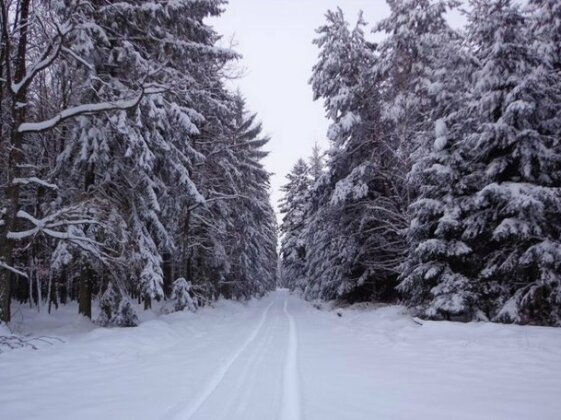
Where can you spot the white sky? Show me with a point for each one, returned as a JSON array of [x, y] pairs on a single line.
[[275, 39]]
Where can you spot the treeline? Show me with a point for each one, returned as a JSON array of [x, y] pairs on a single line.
[[127, 169], [442, 183]]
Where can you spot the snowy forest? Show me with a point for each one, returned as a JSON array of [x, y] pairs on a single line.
[[128, 171], [280, 209], [441, 185], [131, 173]]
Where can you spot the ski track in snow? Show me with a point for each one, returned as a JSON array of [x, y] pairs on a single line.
[[244, 368], [187, 413], [290, 409], [242, 399]]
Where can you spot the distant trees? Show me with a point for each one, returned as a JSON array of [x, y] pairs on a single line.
[[126, 165], [442, 180], [251, 232], [295, 209]]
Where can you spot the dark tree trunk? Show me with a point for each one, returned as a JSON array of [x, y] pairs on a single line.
[[168, 274], [15, 154], [63, 288], [147, 303], [186, 269], [86, 274], [85, 292]]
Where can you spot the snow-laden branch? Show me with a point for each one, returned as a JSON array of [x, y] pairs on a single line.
[[77, 58], [69, 218], [47, 58], [85, 109], [219, 198], [34, 180], [48, 224], [36, 127], [13, 269]]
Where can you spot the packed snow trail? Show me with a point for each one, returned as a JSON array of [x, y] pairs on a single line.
[[189, 411], [290, 409], [262, 351], [279, 358]]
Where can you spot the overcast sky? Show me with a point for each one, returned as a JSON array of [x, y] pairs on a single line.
[[275, 39]]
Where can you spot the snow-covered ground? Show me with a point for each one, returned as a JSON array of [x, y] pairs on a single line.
[[279, 358]]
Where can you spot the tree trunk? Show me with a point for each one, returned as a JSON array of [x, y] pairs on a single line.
[[87, 274], [15, 154], [5, 296], [168, 274], [85, 292], [147, 302], [186, 239], [62, 288]]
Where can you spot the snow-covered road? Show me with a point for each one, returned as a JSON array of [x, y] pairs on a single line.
[[259, 379], [281, 359]]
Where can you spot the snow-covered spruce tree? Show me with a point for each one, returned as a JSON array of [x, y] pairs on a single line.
[[116, 309], [316, 163], [199, 225], [354, 244], [409, 70], [229, 243], [435, 271], [142, 160], [181, 295], [251, 231], [411, 67], [545, 20], [298, 210], [324, 267], [512, 221], [37, 45], [437, 274], [294, 209], [336, 79], [416, 34]]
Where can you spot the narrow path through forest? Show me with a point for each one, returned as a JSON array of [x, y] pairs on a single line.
[[228, 393]]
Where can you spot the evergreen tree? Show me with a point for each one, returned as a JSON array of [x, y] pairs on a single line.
[[512, 222], [340, 79], [153, 169], [316, 164], [355, 245], [416, 35], [435, 271], [140, 157], [252, 230], [545, 18], [294, 207]]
